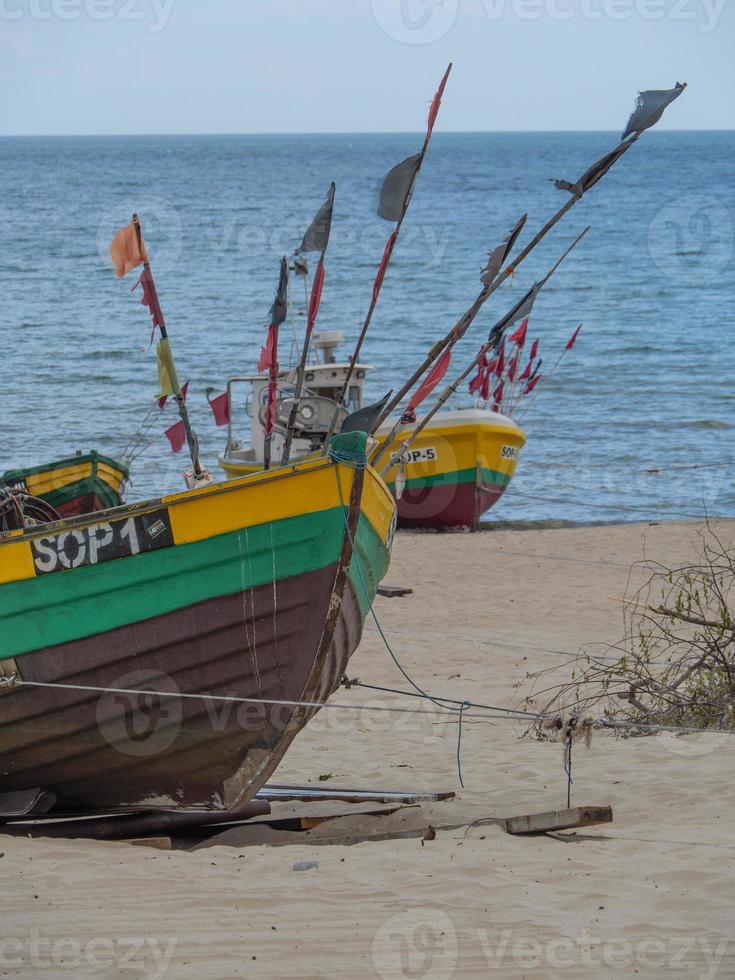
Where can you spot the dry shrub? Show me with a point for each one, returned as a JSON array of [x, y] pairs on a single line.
[[675, 666]]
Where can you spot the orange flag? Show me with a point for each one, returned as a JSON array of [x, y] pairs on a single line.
[[125, 252]]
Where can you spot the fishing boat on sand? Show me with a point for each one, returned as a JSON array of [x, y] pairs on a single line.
[[119, 632], [166, 654], [457, 469], [80, 484]]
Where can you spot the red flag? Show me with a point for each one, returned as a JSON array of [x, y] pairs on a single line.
[[390, 245], [436, 103], [272, 346], [316, 297], [519, 337], [270, 417], [176, 435], [485, 390], [432, 379], [476, 382], [534, 349], [499, 362], [184, 390], [150, 297], [268, 351], [220, 408], [513, 366], [526, 372], [498, 395], [573, 338], [531, 385]]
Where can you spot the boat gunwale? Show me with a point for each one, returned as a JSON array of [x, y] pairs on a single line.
[[59, 464], [153, 504]]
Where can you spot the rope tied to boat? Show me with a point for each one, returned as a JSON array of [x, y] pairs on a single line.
[[356, 460], [19, 510]]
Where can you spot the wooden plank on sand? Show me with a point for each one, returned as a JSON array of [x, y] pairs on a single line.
[[543, 823], [394, 591], [158, 843]]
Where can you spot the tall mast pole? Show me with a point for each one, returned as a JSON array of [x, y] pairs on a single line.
[[191, 439], [387, 255]]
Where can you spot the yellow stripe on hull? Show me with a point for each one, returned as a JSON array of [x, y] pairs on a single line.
[[442, 450], [210, 511], [40, 484]]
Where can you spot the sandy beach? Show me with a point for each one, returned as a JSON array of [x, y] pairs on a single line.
[[649, 895]]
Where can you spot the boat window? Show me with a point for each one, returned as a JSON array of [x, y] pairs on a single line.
[[326, 392], [353, 399]]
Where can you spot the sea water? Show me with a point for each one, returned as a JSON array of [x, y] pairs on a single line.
[[637, 423]]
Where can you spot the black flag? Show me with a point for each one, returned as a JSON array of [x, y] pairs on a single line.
[[317, 234], [497, 258], [522, 309], [596, 172], [396, 188], [279, 310], [650, 107]]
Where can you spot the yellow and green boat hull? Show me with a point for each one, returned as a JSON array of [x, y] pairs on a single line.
[[183, 638], [78, 485], [459, 466]]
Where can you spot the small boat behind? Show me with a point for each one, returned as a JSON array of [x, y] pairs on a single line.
[[78, 485], [458, 468], [460, 465]]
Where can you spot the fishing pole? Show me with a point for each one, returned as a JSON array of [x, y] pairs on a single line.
[[165, 355], [493, 343], [315, 239], [394, 185], [649, 109]]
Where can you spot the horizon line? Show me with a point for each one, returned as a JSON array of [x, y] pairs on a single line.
[[385, 132]]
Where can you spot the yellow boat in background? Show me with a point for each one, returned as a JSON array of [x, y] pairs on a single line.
[[81, 484], [458, 468], [460, 465]]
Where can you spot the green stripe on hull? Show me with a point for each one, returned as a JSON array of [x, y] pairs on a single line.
[[369, 564], [73, 491], [490, 477], [62, 607], [54, 609], [13, 475]]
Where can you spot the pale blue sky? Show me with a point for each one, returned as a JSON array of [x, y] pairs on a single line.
[[254, 66]]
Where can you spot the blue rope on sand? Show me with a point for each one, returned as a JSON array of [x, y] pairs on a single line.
[[465, 704]]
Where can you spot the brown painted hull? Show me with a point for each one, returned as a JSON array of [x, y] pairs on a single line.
[[110, 750], [451, 507], [88, 503]]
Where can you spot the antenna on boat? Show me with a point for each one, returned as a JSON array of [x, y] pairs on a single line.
[[316, 239], [395, 199], [649, 109]]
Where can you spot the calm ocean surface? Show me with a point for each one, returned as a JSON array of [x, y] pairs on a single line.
[[639, 422]]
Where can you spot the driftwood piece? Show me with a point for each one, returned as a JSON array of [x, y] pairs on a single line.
[[274, 793], [157, 843], [553, 820], [302, 815], [394, 591], [418, 822]]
